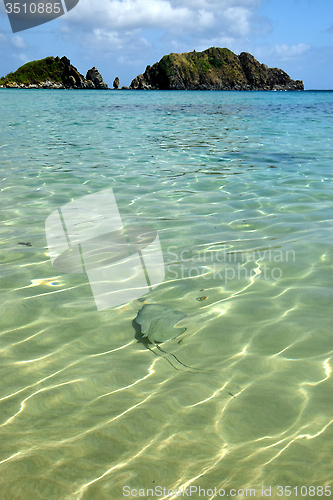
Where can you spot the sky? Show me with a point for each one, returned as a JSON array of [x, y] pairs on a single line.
[[121, 37]]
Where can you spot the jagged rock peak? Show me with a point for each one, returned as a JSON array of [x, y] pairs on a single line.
[[94, 76]]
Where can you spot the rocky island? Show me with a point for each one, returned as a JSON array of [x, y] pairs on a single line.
[[52, 73], [213, 69]]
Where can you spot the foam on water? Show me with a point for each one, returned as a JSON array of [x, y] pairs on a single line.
[[239, 187]]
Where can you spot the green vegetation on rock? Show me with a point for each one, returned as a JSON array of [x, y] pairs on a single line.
[[53, 72], [35, 72], [213, 69]]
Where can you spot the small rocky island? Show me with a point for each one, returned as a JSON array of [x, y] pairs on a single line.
[[213, 69], [52, 73]]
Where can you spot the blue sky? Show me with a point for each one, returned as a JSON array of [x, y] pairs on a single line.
[[120, 37]]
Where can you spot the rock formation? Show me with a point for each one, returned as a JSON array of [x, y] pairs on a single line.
[[53, 73], [116, 83], [213, 69], [95, 77]]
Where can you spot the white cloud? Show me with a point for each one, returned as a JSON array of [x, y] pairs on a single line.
[[127, 14], [282, 52], [22, 58], [239, 19], [12, 41], [111, 37], [144, 30], [18, 42], [286, 52], [183, 16], [11, 54]]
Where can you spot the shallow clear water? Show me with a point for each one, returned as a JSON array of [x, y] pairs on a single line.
[[239, 187]]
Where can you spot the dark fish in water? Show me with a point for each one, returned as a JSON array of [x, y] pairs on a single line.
[[158, 326], [26, 244], [157, 322]]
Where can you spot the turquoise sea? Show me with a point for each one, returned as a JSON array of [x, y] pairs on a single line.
[[238, 186]]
